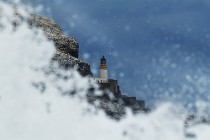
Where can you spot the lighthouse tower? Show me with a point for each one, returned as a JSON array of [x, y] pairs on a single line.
[[103, 69]]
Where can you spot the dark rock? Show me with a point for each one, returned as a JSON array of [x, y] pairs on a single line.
[[53, 32], [67, 48], [133, 103], [66, 61], [113, 102]]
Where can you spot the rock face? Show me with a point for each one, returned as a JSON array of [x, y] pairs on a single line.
[[66, 56], [53, 32], [67, 48], [114, 103]]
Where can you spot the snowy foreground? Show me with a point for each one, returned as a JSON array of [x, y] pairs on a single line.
[[27, 112]]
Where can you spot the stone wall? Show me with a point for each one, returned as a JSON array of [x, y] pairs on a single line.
[[112, 86], [130, 102]]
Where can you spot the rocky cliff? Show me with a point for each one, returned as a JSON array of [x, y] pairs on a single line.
[[66, 56], [67, 48]]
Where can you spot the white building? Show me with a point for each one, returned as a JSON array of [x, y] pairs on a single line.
[[103, 72]]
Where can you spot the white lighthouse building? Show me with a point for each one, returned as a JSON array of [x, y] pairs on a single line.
[[103, 69], [103, 72]]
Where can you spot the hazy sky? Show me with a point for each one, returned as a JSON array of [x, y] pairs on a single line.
[[153, 47]]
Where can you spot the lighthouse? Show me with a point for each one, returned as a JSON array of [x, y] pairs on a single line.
[[103, 69]]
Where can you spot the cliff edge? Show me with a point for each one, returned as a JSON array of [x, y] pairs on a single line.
[[67, 48], [66, 56]]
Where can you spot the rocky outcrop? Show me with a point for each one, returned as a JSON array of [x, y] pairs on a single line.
[[115, 104], [66, 56], [63, 43], [66, 61], [115, 107], [67, 48]]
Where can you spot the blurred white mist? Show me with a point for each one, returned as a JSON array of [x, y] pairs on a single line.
[[26, 114]]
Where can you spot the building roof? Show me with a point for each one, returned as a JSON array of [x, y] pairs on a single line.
[[103, 60]]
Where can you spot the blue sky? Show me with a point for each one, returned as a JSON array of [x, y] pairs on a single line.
[[157, 49]]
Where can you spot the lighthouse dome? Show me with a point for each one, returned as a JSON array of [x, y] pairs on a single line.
[[103, 61]]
